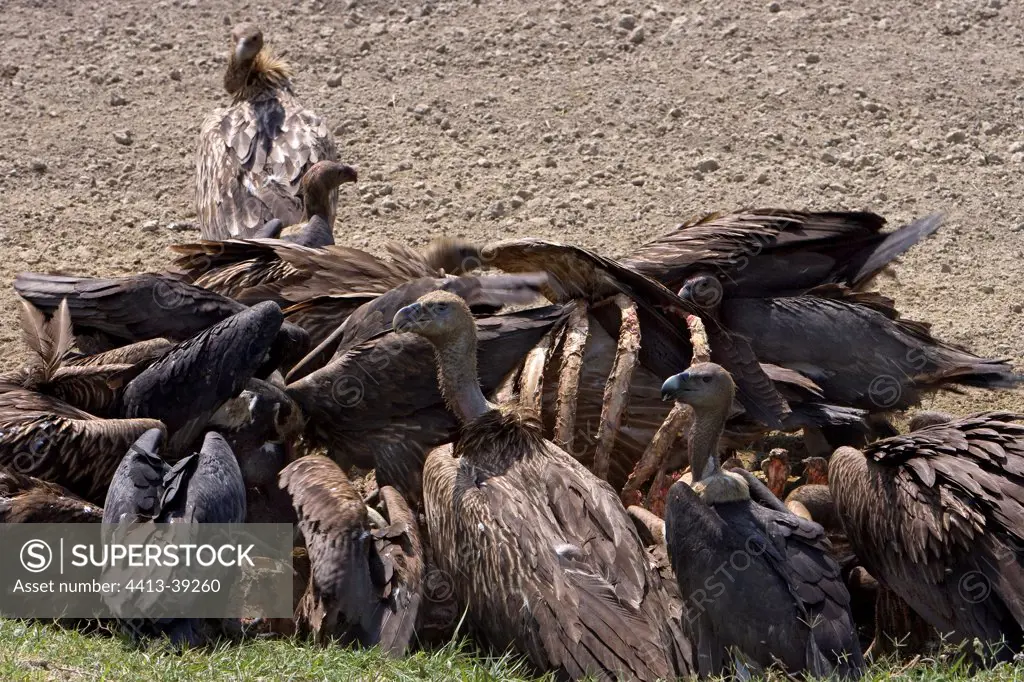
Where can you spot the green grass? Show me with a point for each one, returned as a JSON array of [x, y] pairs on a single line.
[[41, 651]]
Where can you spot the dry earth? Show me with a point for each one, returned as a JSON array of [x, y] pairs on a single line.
[[602, 123]]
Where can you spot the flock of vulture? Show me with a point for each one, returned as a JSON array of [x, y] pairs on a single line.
[[549, 443]]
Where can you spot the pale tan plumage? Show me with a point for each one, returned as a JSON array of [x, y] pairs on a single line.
[[252, 154], [539, 550]]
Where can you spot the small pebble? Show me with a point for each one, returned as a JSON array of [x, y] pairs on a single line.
[[589, 203], [988, 289], [956, 137], [38, 165], [637, 36], [334, 81], [812, 58], [945, 268], [627, 21], [1017, 308], [117, 100], [708, 165], [150, 226], [123, 137], [175, 74], [774, 7]]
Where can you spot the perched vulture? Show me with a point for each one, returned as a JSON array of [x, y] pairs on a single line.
[[251, 155]]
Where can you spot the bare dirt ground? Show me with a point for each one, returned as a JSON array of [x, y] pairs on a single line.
[[603, 123]]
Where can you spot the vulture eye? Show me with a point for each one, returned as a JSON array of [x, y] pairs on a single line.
[[706, 379]]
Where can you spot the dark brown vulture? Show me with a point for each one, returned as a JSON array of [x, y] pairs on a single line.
[[937, 516], [251, 155], [757, 578], [365, 582], [379, 406], [539, 551], [777, 252]]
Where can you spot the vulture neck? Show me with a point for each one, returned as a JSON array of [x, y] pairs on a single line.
[[712, 484], [456, 362], [247, 77]]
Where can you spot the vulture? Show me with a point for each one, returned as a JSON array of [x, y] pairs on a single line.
[[781, 598], [365, 583], [379, 406], [937, 517], [44, 431], [852, 345], [192, 381], [204, 487], [109, 313], [251, 156], [540, 552], [26, 499], [778, 252]]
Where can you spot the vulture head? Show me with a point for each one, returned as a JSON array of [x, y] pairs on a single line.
[[440, 316], [704, 291], [246, 41], [705, 386]]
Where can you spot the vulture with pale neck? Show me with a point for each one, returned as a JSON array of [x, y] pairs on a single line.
[[539, 551], [781, 598], [252, 155]]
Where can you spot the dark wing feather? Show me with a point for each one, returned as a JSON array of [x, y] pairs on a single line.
[[136, 308], [927, 510], [137, 486], [400, 551], [215, 492], [188, 385], [334, 523]]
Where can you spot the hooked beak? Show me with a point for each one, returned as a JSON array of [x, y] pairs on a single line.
[[349, 173], [407, 318], [673, 386]]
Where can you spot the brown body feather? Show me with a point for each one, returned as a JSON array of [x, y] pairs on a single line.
[[544, 556], [937, 516], [25, 499]]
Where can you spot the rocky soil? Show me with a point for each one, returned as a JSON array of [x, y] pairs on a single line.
[[601, 122]]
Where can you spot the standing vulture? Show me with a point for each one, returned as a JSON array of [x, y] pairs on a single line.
[[757, 577], [539, 551], [252, 154], [937, 516]]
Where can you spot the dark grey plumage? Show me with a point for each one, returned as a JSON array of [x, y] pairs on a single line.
[[205, 487], [185, 387], [781, 598], [853, 345]]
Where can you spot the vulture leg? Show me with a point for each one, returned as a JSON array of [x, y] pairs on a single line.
[[576, 333], [678, 421], [898, 629], [616, 391], [531, 380]]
